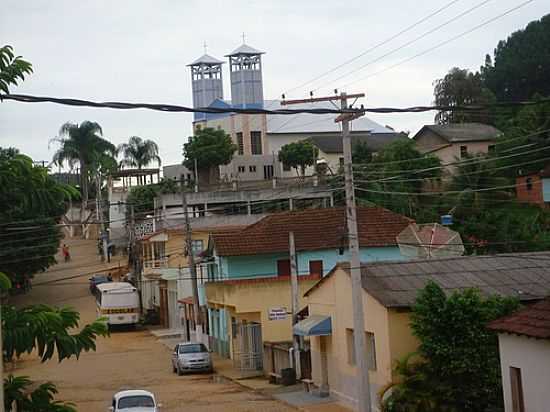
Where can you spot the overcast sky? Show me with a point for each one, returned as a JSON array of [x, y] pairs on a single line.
[[137, 51]]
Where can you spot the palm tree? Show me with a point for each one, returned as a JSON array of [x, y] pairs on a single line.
[[83, 144], [138, 152]]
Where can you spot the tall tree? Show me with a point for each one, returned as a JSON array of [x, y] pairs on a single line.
[[461, 87], [12, 68], [521, 63], [398, 167], [210, 148], [29, 235], [460, 368], [298, 155], [83, 144], [139, 153]]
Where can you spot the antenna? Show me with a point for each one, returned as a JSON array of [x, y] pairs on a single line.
[[205, 47]]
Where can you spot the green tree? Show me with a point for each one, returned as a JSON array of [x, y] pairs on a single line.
[[29, 235], [139, 153], [399, 167], [361, 153], [48, 331], [524, 131], [210, 148], [462, 368], [12, 68], [520, 67], [142, 198], [82, 144], [298, 155], [461, 87]]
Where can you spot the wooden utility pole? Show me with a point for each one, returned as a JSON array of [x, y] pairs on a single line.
[[191, 261], [363, 384], [294, 303]]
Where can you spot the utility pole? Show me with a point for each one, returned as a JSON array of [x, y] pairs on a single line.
[[196, 172], [100, 216], [191, 261], [363, 384], [294, 303]]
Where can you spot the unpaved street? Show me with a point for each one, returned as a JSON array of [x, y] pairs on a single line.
[[125, 360]]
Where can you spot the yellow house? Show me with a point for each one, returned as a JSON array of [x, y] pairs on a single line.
[[389, 291], [166, 280], [332, 356], [249, 293]]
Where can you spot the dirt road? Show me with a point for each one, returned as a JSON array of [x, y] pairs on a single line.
[[125, 360]]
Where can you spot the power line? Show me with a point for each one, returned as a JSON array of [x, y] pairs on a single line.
[[485, 23], [407, 29], [316, 111], [457, 17]]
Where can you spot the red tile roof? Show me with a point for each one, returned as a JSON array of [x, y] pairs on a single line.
[[533, 321], [314, 229]]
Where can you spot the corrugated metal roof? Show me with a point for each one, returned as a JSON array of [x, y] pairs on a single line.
[[206, 59], [463, 132], [244, 49], [314, 123], [522, 275]]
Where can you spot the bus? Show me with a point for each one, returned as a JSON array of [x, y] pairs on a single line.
[[118, 302]]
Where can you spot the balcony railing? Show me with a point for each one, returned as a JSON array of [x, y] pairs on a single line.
[[156, 263]]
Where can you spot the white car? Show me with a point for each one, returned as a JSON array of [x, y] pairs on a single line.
[[134, 401]]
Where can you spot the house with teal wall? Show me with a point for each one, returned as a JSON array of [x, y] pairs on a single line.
[[261, 251]]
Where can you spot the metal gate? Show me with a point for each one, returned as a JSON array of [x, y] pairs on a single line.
[[247, 349]]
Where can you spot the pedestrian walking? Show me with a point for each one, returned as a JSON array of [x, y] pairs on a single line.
[[66, 252]]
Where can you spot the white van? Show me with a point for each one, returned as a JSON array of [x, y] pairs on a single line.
[[118, 302]]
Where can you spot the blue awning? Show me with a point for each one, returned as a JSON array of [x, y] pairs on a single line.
[[314, 325]]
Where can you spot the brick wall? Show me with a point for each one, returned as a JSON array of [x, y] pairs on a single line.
[[530, 193]]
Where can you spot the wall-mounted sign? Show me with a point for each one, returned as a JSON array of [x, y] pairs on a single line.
[[277, 313], [144, 229]]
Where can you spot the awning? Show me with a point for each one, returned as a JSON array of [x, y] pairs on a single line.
[[314, 325]]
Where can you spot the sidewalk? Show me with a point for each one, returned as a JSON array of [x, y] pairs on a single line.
[[293, 396]]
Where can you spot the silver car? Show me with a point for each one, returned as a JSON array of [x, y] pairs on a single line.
[[191, 357]]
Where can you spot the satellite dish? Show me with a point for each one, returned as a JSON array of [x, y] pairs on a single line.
[[429, 240]]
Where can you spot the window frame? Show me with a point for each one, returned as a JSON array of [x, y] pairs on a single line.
[[516, 390], [280, 263], [256, 142], [252, 169], [318, 262], [463, 151], [240, 143]]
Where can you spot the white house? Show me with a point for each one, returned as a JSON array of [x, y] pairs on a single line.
[[524, 344]]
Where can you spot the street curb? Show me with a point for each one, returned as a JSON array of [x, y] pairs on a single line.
[[260, 392]]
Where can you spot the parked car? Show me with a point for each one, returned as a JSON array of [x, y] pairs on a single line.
[[191, 357], [134, 401], [98, 280]]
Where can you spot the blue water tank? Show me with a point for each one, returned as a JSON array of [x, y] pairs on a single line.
[[447, 220]]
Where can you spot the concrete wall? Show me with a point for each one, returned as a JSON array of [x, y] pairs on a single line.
[[448, 152], [174, 172], [532, 356], [266, 265], [392, 337], [251, 301]]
